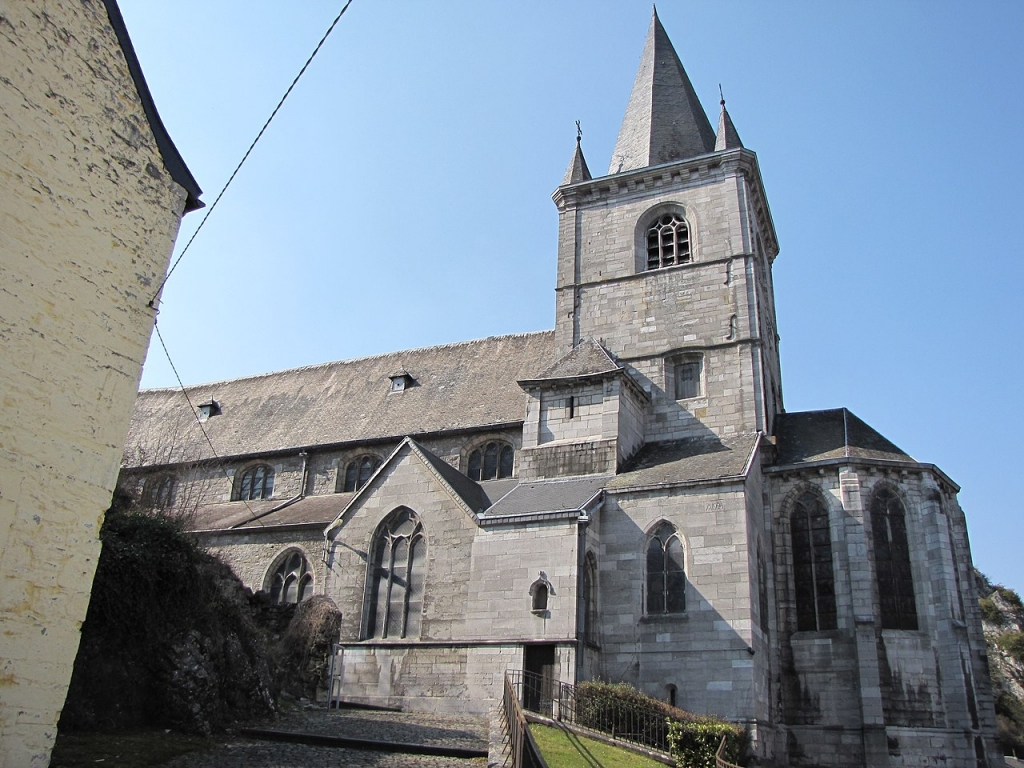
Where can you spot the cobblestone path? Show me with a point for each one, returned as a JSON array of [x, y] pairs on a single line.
[[404, 727]]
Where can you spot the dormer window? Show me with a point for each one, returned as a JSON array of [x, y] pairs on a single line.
[[400, 381], [206, 410]]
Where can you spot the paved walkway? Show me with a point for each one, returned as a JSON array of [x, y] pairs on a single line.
[[402, 727]]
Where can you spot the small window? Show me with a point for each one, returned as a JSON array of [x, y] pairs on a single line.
[[666, 572], [688, 375], [357, 473], [206, 410], [540, 591], [492, 461], [668, 242], [158, 492], [255, 483], [292, 581]]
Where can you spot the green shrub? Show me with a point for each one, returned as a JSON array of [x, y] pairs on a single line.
[[694, 744], [1009, 596], [1013, 643], [622, 711], [990, 611]]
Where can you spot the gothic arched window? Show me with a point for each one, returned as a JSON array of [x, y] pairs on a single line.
[[256, 482], [357, 473], [666, 571], [589, 615], [892, 561], [668, 241], [491, 461], [158, 492], [812, 564], [292, 580], [398, 569]]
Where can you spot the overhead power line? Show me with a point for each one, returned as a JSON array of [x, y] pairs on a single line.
[[153, 300]]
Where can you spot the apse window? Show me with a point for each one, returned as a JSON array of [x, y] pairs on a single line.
[[688, 374], [668, 242]]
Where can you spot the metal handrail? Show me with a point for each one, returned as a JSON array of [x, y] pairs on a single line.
[[523, 748], [721, 762]]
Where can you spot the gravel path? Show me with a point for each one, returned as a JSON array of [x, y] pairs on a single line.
[[404, 727]]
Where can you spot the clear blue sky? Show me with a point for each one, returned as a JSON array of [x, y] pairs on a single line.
[[402, 196]]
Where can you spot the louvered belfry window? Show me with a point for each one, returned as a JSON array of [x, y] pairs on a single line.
[[668, 242]]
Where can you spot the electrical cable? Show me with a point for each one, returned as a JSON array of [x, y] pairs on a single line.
[[153, 301], [195, 413]]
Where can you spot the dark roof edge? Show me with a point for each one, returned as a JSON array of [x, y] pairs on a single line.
[[283, 527], [724, 480], [918, 466], [173, 161]]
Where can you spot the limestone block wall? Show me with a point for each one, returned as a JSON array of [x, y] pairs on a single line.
[[449, 531], [505, 563], [87, 221], [705, 651], [839, 683], [252, 554], [572, 413]]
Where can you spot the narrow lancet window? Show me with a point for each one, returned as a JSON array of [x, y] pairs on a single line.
[[812, 565], [892, 562]]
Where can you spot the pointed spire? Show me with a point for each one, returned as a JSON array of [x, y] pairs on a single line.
[[577, 170], [664, 120], [727, 137]]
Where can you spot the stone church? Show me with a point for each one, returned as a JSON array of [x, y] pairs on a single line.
[[621, 498]]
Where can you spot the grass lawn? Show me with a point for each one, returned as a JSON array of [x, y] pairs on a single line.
[[567, 750], [133, 749]]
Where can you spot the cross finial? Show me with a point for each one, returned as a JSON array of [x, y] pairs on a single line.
[[722, 95], [579, 132]]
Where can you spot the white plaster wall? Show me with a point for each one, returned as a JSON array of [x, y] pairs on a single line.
[[87, 221]]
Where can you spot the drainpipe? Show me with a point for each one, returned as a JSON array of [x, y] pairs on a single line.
[[287, 502]]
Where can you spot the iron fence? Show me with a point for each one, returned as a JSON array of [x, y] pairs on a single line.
[[522, 747]]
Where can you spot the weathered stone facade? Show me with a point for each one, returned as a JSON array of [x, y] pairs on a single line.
[[623, 498], [92, 195]]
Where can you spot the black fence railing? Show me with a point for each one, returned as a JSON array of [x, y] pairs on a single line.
[[589, 708], [522, 747]]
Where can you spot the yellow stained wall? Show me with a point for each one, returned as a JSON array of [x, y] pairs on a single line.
[[88, 217]]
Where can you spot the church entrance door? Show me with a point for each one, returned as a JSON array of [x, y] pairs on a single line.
[[538, 677]]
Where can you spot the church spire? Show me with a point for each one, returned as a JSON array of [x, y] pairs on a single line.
[[577, 170], [727, 137], [664, 119]]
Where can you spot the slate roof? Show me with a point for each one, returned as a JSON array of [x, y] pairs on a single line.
[[818, 435], [588, 358], [577, 170], [555, 495], [318, 510], [664, 119], [687, 461], [456, 386], [727, 137]]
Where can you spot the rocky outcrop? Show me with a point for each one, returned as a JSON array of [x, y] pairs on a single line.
[[1003, 622]]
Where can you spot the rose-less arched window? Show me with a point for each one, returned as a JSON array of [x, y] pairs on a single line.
[[255, 483], [398, 570], [491, 461], [666, 571], [812, 564], [892, 561], [357, 473], [292, 580]]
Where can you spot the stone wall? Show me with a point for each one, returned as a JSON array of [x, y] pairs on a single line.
[[704, 651], [87, 222]]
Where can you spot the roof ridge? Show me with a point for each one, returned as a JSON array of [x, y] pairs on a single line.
[[347, 361]]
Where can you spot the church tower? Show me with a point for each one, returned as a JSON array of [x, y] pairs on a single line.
[[666, 260]]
